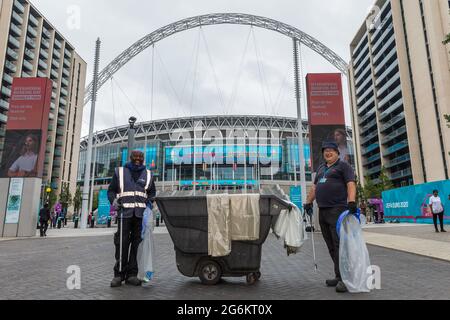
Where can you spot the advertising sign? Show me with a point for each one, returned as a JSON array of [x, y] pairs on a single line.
[[26, 129], [296, 196], [326, 115], [14, 201], [104, 207], [410, 204]]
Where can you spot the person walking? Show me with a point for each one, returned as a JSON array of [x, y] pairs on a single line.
[[44, 217], [131, 191], [438, 210], [334, 190]]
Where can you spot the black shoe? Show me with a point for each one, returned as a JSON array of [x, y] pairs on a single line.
[[443, 230], [133, 281], [332, 283], [116, 282], [341, 287]]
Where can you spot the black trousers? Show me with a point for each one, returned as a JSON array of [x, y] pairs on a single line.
[[43, 227], [131, 238], [441, 220], [328, 218]]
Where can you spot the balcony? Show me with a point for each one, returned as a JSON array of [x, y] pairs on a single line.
[[386, 37], [393, 135], [30, 54], [42, 64], [56, 64], [68, 53], [26, 75], [63, 102], [57, 54], [62, 111], [385, 72], [3, 119], [392, 55], [399, 160], [17, 17], [66, 62], [31, 42], [388, 84], [14, 42], [65, 82], [58, 43], [372, 159], [373, 170], [393, 121], [384, 49], [41, 74], [8, 78], [368, 126], [64, 92], [367, 116], [389, 97], [61, 122], [364, 54], [12, 54], [19, 6], [369, 137], [370, 148], [44, 54], [51, 116], [384, 26], [10, 66], [397, 147], [32, 31], [27, 65], [46, 33], [66, 72], [60, 132], [6, 91], [55, 74], [4, 104], [362, 69], [16, 30], [365, 95], [53, 94], [34, 21], [401, 174], [388, 111], [368, 103], [52, 106], [45, 43], [363, 85]]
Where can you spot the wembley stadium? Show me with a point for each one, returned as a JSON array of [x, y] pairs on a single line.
[[208, 152]]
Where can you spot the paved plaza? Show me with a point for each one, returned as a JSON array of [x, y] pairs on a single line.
[[36, 269]]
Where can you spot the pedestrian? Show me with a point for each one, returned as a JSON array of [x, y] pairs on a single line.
[[44, 217], [437, 209], [131, 191], [334, 190]]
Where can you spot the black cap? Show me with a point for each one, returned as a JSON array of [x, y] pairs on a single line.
[[330, 145]]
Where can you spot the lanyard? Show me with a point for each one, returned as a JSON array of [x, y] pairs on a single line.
[[327, 169]]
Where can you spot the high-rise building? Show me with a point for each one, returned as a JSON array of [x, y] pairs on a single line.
[[31, 47], [400, 91]]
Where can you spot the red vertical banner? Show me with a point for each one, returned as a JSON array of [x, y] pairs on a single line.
[[326, 115], [26, 129]]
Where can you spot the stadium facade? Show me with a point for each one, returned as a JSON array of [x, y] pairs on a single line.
[[207, 152]]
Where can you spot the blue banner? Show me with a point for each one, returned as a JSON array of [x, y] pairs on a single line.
[[296, 196], [410, 204], [103, 207], [241, 183]]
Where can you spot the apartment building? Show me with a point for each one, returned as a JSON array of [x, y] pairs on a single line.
[[400, 91], [31, 47]]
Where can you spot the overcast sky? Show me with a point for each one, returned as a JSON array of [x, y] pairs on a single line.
[[255, 66]]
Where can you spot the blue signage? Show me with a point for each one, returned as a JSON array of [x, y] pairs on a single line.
[[103, 207], [188, 183], [410, 204], [296, 196]]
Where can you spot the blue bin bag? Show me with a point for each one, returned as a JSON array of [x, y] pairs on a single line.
[[146, 250], [342, 217]]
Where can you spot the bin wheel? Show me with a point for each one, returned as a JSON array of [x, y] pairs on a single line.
[[258, 275], [210, 273], [252, 278]]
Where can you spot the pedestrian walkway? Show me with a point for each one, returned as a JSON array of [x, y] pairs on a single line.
[[412, 238], [71, 232]]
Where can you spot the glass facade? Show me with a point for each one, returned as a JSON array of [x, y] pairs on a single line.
[[263, 162]]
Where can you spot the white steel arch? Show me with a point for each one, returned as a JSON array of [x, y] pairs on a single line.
[[215, 19]]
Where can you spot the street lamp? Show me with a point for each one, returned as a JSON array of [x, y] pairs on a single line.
[[131, 134]]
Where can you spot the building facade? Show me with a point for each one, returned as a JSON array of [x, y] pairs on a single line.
[[269, 155], [400, 92], [31, 47]]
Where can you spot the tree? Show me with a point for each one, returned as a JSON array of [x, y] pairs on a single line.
[[370, 189], [447, 39], [360, 196], [65, 197], [385, 182], [77, 200], [95, 201], [52, 199]]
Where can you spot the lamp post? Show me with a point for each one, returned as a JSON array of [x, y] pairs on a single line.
[[131, 134]]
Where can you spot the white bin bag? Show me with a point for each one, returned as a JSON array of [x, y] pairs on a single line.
[[146, 249], [354, 260], [291, 229]]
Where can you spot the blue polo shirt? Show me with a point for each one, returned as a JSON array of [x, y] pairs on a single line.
[[331, 184]]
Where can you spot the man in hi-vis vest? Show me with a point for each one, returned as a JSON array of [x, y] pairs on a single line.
[[131, 191]]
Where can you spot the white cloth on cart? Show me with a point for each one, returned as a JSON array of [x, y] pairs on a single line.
[[219, 221], [245, 217]]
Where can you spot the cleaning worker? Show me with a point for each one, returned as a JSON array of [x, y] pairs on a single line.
[[132, 190], [334, 190]]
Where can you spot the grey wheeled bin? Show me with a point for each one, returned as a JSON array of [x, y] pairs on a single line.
[[186, 217]]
